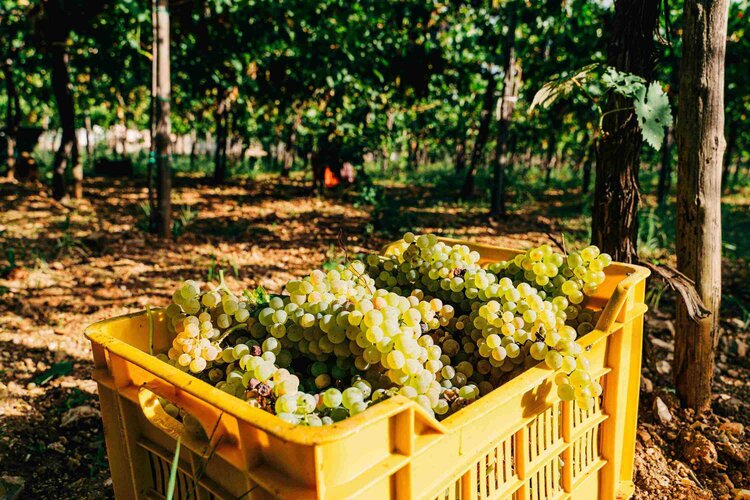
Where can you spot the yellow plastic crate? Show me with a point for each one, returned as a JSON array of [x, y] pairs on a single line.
[[518, 442]]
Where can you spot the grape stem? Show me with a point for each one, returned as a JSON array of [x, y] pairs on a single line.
[[231, 330], [150, 329], [348, 264], [222, 283]]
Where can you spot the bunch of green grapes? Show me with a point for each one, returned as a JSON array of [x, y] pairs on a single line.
[[513, 311], [341, 314], [426, 321], [200, 320], [571, 277]]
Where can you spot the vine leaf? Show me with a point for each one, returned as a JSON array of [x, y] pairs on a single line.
[[560, 87], [625, 84], [653, 113]]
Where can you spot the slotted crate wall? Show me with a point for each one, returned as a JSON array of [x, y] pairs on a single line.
[[519, 442]]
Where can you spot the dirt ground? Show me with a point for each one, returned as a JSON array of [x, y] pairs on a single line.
[[88, 261]]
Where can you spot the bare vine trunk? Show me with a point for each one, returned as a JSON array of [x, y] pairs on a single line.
[[590, 161], [13, 120], [162, 128], [550, 161], [67, 154], [616, 194], [665, 172], [467, 190], [700, 147], [506, 107], [220, 155], [729, 155], [459, 160]]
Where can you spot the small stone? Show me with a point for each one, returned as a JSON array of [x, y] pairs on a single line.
[[698, 450], [662, 344], [741, 349], [728, 406], [734, 428], [645, 437], [662, 411], [737, 323], [663, 367], [646, 385], [57, 446], [727, 482], [3, 391], [73, 415]]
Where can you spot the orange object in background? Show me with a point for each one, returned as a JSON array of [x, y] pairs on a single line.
[[330, 179]]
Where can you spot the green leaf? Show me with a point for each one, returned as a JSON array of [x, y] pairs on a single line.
[[258, 297], [559, 87], [173, 470], [625, 84], [654, 114], [57, 370]]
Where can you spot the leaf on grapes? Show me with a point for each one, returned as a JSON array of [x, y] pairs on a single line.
[[559, 87], [258, 297], [625, 84], [57, 370], [654, 114]]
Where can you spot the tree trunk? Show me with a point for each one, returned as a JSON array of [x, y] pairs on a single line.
[[318, 164], [89, 145], [220, 154], [700, 147], [665, 172], [590, 159], [384, 153], [731, 141], [581, 161], [736, 173], [467, 190], [13, 120], [67, 153], [459, 161], [506, 107], [289, 153], [550, 159], [412, 161], [616, 195], [193, 148], [162, 127]]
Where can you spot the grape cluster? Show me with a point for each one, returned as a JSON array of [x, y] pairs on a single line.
[[200, 321], [512, 313], [340, 319], [426, 321], [573, 278]]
